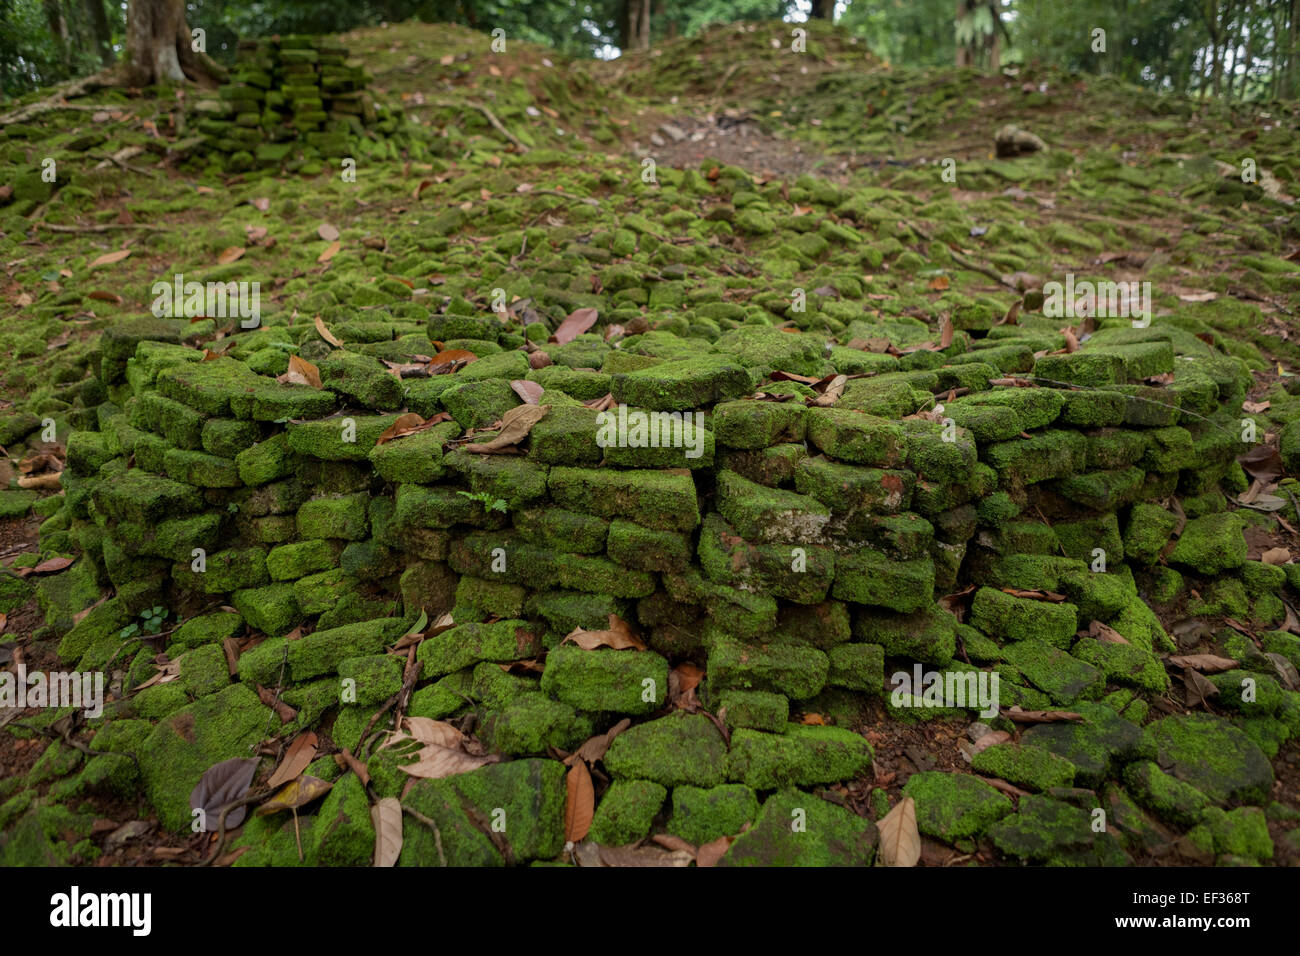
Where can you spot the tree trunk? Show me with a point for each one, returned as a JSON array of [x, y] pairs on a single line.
[[100, 30], [635, 25], [59, 30], [158, 45], [823, 9]]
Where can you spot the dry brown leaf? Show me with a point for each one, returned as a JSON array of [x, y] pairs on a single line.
[[900, 840], [946, 332], [594, 748], [327, 231], [271, 699], [435, 763], [579, 802], [261, 203], [330, 251], [1035, 595], [1255, 408], [103, 296], [167, 673], [230, 254], [1198, 689], [625, 856], [577, 322], [327, 335], [710, 853], [530, 392], [404, 425], [619, 636], [300, 753], [515, 426], [990, 739], [301, 372], [1039, 716], [832, 394], [108, 258], [386, 815], [430, 732], [45, 567], [1205, 663], [939, 283], [1106, 634], [450, 361], [50, 480], [1276, 556], [297, 793]]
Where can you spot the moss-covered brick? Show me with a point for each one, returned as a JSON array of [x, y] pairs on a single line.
[[1097, 596], [361, 378], [336, 516], [954, 806], [1030, 767], [87, 451], [771, 348], [1169, 449], [271, 609], [1115, 448], [424, 395], [626, 812], [1063, 678], [452, 326], [701, 815], [562, 530], [833, 836], [756, 709], [928, 635], [443, 697], [468, 644], [567, 435], [858, 667], [764, 514], [208, 629], [479, 404], [175, 538], [1102, 490], [1242, 832], [682, 384], [869, 577], [511, 478], [227, 437], [773, 467], [417, 458], [1009, 618], [1124, 664], [1147, 407], [1166, 796], [1034, 407], [500, 365], [855, 437], [506, 556], [323, 651], [654, 499], [1047, 831], [377, 676], [266, 461], [679, 749], [804, 755], [758, 425], [437, 509], [491, 597], [599, 575], [625, 682], [1147, 532], [1086, 408], [850, 488], [343, 834], [1054, 453], [798, 672], [801, 573], [210, 387], [638, 439], [178, 423], [143, 498], [301, 558], [1087, 368], [580, 384], [532, 723], [1211, 544], [647, 549], [345, 438], [987, 422], [200, 469], [183, 746]]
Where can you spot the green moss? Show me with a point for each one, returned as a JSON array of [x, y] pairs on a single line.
[[470, 643], [798, 829], [626, 682], [335, 516], [702, 815], [793, 670], [414, 458], [758, 425], [1211, 544], [626, 812], [672, 751], [343, 834], [756, 709], [1007, 617], [1166, 796], [650, 498], [804, 755], [1124, 664], [927, 635], [1060, 676], [856, 437], [1213, 756], [954, 806]]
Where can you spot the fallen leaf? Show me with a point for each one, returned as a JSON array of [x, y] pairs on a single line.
[[1206, 663], [710, 853], [1035, 595], [103, 296], [221, 784], [271, 699], [900, 841], [579, 802], [435, 763], [408, 424], [618, 636], [300, 753], [1106, 634], [939, 283], [1256, 407], [990, 739], [530, 392], [327, 335], [449, 361], [327, 231], [1019, 716], [1198, 296], [261, 203], [946, 332], [436, 733], [594, 748], [109, 258], [577, 322], [1198, 689], [386, 815], [1276, 556], [832, 394], [50, 566], [230, 254], [626, 856], [515, 426], [330, 251], [297, 793], [301, 372], [167, 672]]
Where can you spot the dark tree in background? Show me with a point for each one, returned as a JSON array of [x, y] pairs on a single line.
[[159, 47]]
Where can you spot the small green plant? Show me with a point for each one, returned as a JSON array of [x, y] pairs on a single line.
[[151, 622], [488, 502]]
